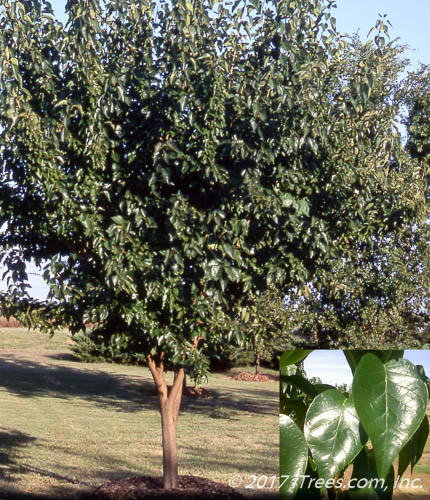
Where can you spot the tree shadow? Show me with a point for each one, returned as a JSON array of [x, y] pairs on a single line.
[[11, 442], [234, 402], [11, 493], [63, 356], [125, 393], [26, 378]]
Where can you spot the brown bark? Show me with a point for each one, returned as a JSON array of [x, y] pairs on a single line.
[[184, 386], [257, 363], [170, 403]]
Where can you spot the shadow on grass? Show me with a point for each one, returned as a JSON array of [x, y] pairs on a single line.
[[11, 442], [11, 466], [26, 378], [11, 493]]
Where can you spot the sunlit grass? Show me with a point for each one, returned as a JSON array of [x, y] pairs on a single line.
[[67, 426], [424, 464]]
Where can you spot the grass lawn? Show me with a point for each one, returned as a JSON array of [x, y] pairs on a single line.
[[423, 465], [67, 426]]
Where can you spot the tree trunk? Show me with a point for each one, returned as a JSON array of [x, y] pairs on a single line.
[[257, 363], [170, 403]]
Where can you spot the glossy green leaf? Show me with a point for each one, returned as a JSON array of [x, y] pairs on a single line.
[[365, 484], [291, 406], [413, 450], [391, 401], [304, 385], [353, 356], [300, 383], [293, 456], [293, 356], [333, 432]]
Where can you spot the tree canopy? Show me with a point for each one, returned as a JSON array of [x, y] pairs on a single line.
[[166, 161]]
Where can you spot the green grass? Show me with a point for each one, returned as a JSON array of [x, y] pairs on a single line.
[[67, 426], [423, 465], [24, 339]]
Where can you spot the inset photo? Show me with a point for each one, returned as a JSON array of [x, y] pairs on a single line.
[[354, 424]]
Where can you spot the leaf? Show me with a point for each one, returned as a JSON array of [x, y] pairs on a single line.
[[371, 487], [391, 401], [304, 385], [293, 356], [294, 406], [353, 357], [333, 432], [300, 383], [229, 250], [323, 387], [413, 451], [293, 456], [118, 219]]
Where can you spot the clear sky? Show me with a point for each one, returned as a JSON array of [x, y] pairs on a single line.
[[410, 20], [332, 368]]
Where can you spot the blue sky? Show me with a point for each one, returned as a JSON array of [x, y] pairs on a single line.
[[410, 22], [332, 368]]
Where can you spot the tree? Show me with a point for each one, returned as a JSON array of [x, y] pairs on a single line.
[[378, 298], [416, 97], [164, 162], [379, 295], [263, 323]]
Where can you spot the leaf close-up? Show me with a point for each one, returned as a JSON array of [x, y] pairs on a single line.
[[293, 456], [333, 432], [413, 451], [391, 401]]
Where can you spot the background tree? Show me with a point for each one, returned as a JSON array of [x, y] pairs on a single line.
[[380, 298], [416, 97], [165, 162], [262, 325]]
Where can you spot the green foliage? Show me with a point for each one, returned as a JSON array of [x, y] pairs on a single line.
[[293, 356], [397, 408], [387, 406], [261, 322], [331, 419], [95, 346], [165, 164], [378, 298], [416, 96], [365, 468], [293, 460]]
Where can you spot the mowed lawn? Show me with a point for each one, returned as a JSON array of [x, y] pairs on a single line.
[[423, 465], [67, 426]]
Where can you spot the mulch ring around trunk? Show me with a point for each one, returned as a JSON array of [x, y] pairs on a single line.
[[196, 392], [254, 377], [145, 487]]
